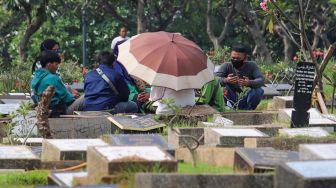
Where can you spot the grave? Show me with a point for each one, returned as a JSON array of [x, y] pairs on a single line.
[[230, 137], [31, 141], [281, 102], [67, 149], [18, 157], [306, 174], [260, 160], [139, 140], [125, 124], [93, 113], [309, 131], [285, 143], [179, 137], [14, 101], [178, 180], [304, 81], [315, 120], [64, 179], [317, 151], [8, 108], [251, 118], [281, 87], [106, 160], [270, 92], [85, 127], [25, 125]]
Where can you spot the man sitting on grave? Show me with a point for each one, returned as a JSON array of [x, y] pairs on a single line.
[[240, 75], [62, 102], [105, 89]]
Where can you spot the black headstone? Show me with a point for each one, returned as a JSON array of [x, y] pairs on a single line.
[[304, 79]]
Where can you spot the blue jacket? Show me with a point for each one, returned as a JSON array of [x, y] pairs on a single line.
[[44, 78], [98, 93]]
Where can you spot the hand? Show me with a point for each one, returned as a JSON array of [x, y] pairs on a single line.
[[143, 97], [232, 79], [245, 81], [75, 93]]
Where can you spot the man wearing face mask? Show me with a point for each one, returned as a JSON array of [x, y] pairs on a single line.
[[239, 73]]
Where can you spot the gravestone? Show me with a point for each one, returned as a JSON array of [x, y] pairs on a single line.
[[93, 113], [179, 137], [281, 87], [64, 178], [67, 149], [306, 174], [230, 137], [139, 140], [18, 157], [260, 160], [281, 102], [25, 125], [317, 151], [105, 160], [270, 92], [138, 123], [304, 78], [251, 118], [31, 141], [310, 131], [85, 127], [13, 101], [222, 121], [8, 108]]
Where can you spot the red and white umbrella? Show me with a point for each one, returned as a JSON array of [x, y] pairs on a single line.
[[167, 60]]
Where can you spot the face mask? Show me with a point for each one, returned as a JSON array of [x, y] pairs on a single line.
[[237, 63]]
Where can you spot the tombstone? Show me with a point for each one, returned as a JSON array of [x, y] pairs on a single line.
[[18, 157], [222, 121], [84, 127], [140, 140], [139, 123], [230, 137], [31, 141], [304, 80], [251, 118], [20, 94], [64, 178], [67, 149], [25, 125], [270, 92], [93, 113], [306, 174], [179, 137], [281, 87], [310, 131], [8, 108], [260, 160], [317, 151], [280, 102], [13, 101], [106, 160]]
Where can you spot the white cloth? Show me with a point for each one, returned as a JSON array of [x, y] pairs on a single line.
[[181, 98], [117, 39]]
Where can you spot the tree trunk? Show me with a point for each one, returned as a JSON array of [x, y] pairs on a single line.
[[288, 47], [42, 112], [141, 21], [31, 29], [252, 24]]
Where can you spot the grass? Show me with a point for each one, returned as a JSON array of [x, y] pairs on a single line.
[[24, 179], [202, 168]]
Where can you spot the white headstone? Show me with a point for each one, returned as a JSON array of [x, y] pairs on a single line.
[[239, 132], [66, 178], [150, 153], [309, 131], [314, 169], [315, 118], [16, 152], [25, 124], [223, 121], [285, 98], [8, 108], [75, 144], [317, 151]]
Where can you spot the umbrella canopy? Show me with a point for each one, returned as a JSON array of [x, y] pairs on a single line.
[[166, 60]]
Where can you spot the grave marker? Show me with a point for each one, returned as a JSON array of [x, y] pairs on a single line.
[[317, 151], [24, 125], [64, 178], [306, 174], [310, 131], [8, 108], [259, 160], [230, 137], [140, 140], [18, 157], [139, 123], [105, 160], [304, 80], [92, 113], [67, 149]]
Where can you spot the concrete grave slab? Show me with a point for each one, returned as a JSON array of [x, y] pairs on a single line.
[[230, 137], [260, 160], [178, 180], [250, 118], [270, 92], [309, 131], [306, 174], [281, 87], [67, 149], [281, 102], [317, 151], [18, 157], [66, 128], [178, 137], [105, 160], [64, 178], [8, 108], [31, 141], [25, 125], [14, 101], [139, 140]]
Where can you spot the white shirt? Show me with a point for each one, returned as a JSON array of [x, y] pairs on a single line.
[[181, 98], [117, 39]]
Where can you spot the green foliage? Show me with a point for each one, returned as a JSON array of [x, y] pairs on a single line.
[[35, 177], [220, 55], [70, 72], [202, 168]]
